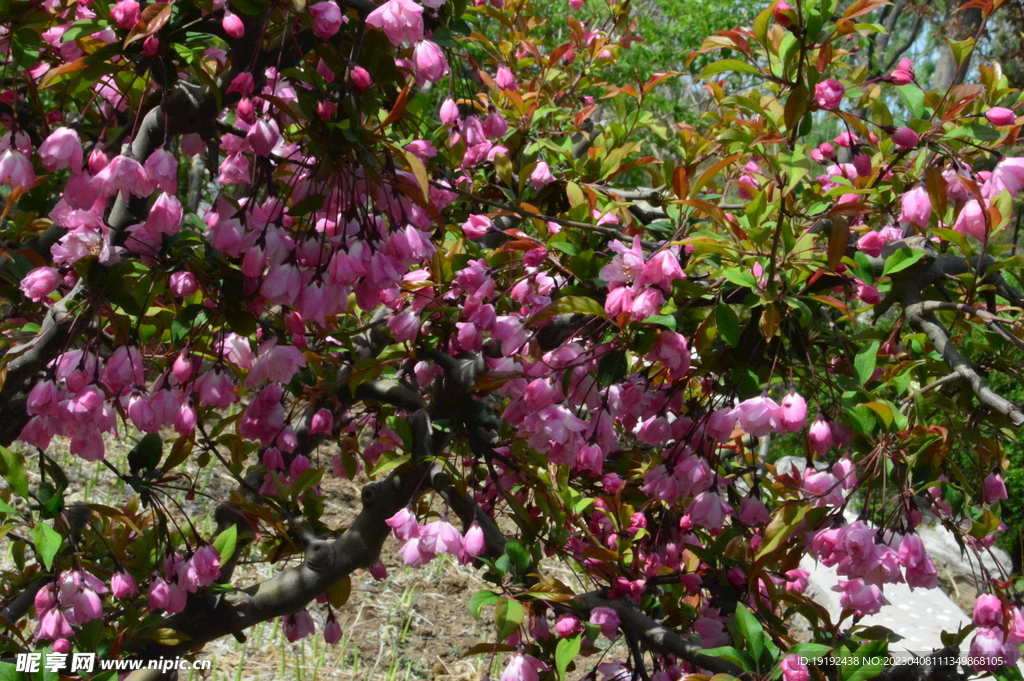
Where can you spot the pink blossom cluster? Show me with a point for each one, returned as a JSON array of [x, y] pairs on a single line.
[[636, 286], [999, 632], [479, 135], [871, 559], [74, 600], [181, 577], [422, 543]]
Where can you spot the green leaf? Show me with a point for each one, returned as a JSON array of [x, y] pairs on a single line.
[[519, 556], [568, 304], [730, 654], [166, 636], [961, 49], [864, 363], [480, 599], [728, 324], [665, 320], [12, 467], [724, 65], [740, 277], [913, 97], [508, 615], [566, 652], [5, 508], [9, 672], [901, 260], [612, 368], [809, 650], [751, 630], [145, 456], [47, 541], [225, 543]]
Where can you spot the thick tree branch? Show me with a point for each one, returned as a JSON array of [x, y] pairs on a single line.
[[924, 322], [655, 636]]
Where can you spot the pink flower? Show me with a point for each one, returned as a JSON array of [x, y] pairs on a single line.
[[441, 536], [122, 585], [991, 649], [404, 525], [183, 284], [429, 61], [793, 412], [474, 542], [829, 93], [232, 25], [126, 13], [541, 175], [243, 84], [672, 350], [298, 626], [820, 436], [124, 174], [794, 670], [449, 112], [824, 153], [708, 509], [476, 226], [661, 270], [52, 625], [972, 220], [495, 126], [568, 625], [783, 14], [401, 21], [504, 79], [204, 566], [361, 78], [62, 149], [123, 370], [905, 138], [648, 303], [576, 4], [857, 595], [414, 553], [759, 416], [16, 170], [796, 580], [916, 207], [327, 19], [862, 164], [523, 668], [275, 363], [332, 630], [39, 283], [607, 619], [753, 511], [1001, 116], [988, 611], [994, 488], [322, 422], [162, 169], [263, 136]]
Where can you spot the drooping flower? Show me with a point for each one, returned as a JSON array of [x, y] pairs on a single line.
[[916, 207], [62, 149], [401, 21], [607, 619], [298, 626], [39, 283], [327, 19], [829, 93], [994, 488], [232, 25], [429, 61], [541, 175], [793, 669]]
